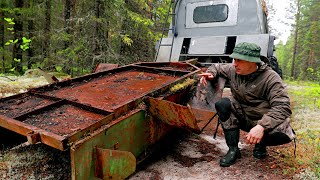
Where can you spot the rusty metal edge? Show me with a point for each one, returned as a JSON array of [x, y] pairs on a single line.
[[187, 63], [89, 77], [161, 69], [87, 131], [123, 163], [188, 123], [74, 148], [51, 139], [105, 127]]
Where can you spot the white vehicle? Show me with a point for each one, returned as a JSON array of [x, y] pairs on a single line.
[[209, 29]]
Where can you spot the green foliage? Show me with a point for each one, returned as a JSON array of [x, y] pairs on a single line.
[[11, 42], [17, 60], [10, 21], [305, 104], [307, 61], [25, 43], [309, 96], [127, 40], [110, 31], [58, 68]]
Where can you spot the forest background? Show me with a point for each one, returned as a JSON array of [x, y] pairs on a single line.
[[73, 36]]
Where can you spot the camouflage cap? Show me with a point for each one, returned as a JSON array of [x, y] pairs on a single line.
[[247, 52]]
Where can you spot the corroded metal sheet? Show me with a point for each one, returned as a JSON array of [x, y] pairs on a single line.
[[110, 92], [203, 117], [23, 103], [61, 113], [114, 164], [133, 133], [104, 67], [176, 66], [62, 118], [101, 117], [173, 114]]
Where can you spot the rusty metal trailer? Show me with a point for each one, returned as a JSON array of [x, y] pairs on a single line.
[[108, 120]]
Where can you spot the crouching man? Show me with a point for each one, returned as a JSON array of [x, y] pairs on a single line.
[[259, 104]]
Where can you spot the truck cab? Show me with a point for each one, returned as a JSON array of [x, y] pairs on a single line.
[[209, 30]]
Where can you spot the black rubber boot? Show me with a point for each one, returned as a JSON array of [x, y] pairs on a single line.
[[232, 139], [260, 150]]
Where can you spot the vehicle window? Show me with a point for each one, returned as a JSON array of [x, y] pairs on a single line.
[[209, 14]]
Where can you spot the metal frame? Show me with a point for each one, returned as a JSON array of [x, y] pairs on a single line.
[[111, 147]]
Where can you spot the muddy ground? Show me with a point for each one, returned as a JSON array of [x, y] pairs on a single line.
[[197, 157]]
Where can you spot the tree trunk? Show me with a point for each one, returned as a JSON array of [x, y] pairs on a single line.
[[124, 29], [295, 40], [97, 25], [69, 6], [18, 33], [30, 50], [2, 36], [149, 9], [31, 34], [67, 15], [47, 30]]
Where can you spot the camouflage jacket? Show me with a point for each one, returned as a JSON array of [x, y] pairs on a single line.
[[261, 94]]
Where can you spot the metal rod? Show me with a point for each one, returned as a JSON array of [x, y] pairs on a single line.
[[208, 122]]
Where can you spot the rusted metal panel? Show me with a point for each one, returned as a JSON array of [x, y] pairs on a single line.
[[203, 116], [129, 133], [48, 138], [62, 118], [114, 164], [176, 66], [110, 92], [173, 114], [20, 104], [104, 67], [104, 110], [72, 109]]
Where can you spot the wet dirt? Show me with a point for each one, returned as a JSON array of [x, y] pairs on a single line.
[[197, 157]]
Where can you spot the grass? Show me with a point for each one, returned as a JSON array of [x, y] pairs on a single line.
[[305, 101]]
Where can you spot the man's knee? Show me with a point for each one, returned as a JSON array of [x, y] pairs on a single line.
[[223, 108]]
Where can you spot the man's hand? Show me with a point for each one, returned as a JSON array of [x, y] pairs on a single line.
[[205, 77], [255, 135]]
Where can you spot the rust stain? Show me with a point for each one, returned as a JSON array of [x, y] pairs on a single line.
[[24, 104], [104, 67], [112, 91], [174, 66], [173, 114], [203, 116], [61, 113], [63, 120]]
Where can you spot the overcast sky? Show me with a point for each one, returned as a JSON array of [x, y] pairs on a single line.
[[281, 22]]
